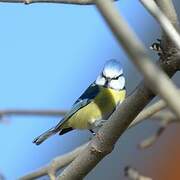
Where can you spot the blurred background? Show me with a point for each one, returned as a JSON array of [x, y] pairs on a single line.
[[49, 55]]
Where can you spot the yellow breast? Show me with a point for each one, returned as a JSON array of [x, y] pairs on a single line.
[[101, 108]]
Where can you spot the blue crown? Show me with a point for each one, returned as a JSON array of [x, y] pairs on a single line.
[[112, 68]]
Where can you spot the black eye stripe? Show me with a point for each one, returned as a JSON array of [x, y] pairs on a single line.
[[115, 78], [103, 75]]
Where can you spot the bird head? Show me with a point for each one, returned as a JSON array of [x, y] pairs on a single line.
[[112, 75]]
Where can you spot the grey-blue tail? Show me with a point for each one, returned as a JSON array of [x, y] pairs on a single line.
[[45, 136]]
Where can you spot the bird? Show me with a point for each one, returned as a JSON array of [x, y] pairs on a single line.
[[93, 108]]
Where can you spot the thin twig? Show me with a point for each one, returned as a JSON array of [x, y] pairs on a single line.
[[145, 114], [171, 32], [148, 112], [165, 118], [56, 164], [133, 174], [26, 112]]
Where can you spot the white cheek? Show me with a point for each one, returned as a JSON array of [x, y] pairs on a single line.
[[100, 81], [117, 84]]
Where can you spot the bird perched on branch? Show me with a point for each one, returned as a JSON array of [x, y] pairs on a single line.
[[95, 105]]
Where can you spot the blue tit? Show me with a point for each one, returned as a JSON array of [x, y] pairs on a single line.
[[95, 105]]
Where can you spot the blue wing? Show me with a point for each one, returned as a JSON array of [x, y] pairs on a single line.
[[82, 101], [90, 93]]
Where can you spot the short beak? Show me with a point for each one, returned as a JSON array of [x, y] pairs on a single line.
[[107, 82]]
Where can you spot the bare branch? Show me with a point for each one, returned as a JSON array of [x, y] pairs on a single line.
[[133, 174], [64, 159], [67, 158], [103, 143], [55, 165], [105, 139], [148, 112], [25, 112], [168, 9], [163, 20], [165, 118], [76, 2], [145, 114]]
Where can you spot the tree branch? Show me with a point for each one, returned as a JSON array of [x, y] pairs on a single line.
[[168, 28], [168, 9], [145, 114], [105, 139], [165, 118], [55, 165], [66, 159], [148, 112], [102, 144], [133, 174], [25, 112], [75, 2]]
